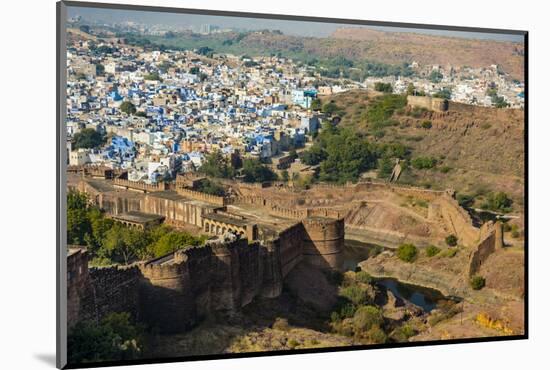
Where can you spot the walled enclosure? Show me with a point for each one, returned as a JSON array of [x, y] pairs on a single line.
[[175, 291]]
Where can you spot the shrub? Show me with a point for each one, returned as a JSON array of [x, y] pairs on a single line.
[[363, 277], [347, 311], [477, 282], [127, 107], [407, 252], [366, 317], [421, 163], [383, 87], [498, 202], [426, 124], [445, 169], [432, 250], [293, 343], [377, 335], [451, 240], [465, 200], [355, 294], [403, 333], [115, 337]]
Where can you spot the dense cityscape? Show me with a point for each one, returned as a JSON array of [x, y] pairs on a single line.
[[230, 192]]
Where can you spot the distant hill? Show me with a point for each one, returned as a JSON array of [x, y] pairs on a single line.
[[356, 45], [398, 47]]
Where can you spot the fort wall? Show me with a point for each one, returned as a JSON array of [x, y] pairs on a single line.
[[492, 241], [455, 218], [139, 185], [198, 195], [110, 289], [323, 242], [77, 281], [176, 210], [428, 102]]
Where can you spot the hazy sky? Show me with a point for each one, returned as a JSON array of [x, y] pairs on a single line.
[[298, 28]]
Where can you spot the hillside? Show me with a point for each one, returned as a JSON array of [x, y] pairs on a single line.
[[356, 45], [477, 150], [395, 47]]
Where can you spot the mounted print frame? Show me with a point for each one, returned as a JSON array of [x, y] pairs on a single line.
[[238, 184]]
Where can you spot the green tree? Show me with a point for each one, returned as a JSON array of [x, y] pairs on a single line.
[[477, 282], [154, 76], [410, 89], [127, 107], [174, 240], [444, 93], [216, 165], [313, 156], [498, 202], [383, 87], [78, 223], [355, 294], [422, 163], [210, 187], [385, 167], [435, 76], [114, 338], [451, 240], [255, 171], [88, 138], [316, 105], [331, 108], [407, 252], [122, 244], [367, 317]]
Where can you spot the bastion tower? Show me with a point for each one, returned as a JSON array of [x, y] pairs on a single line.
[[323, 242]]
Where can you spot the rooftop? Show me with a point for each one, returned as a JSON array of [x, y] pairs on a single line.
[[137, 217]]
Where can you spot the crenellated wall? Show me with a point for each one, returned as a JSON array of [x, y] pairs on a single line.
[[198, 195], [139, 185], [173, 292], [175, 208]]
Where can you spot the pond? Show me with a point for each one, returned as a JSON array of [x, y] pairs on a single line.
[[423, 297]]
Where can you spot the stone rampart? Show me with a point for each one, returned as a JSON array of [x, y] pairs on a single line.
[[428, 102], [204, 197], [111, 289], [455, 218], [324, 242], [491, 241], [139, 185]]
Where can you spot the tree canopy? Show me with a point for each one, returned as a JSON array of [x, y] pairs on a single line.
[[88, 138], [110, 242], [114, 338], [128, 107], [255, 171]]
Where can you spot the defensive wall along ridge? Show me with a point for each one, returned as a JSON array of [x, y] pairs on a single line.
[[174, 291]]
